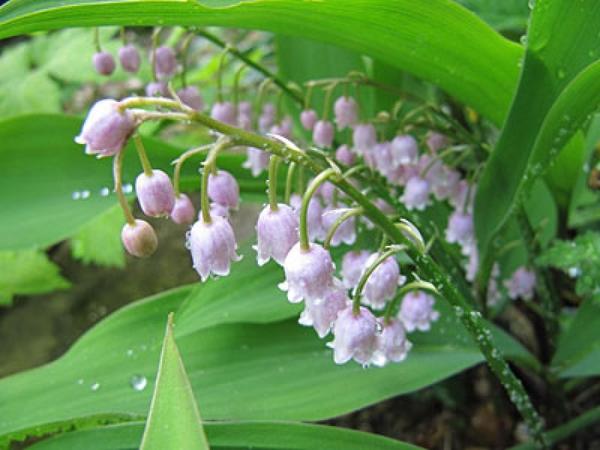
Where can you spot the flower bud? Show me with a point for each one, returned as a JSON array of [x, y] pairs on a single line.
[[191, 97], [157, 89], [183, 211], [353, 265], [354, 336], [213, 247], [382, 283], [460, 228], [257, 161], [155, 193], [277, 232], [104, 63], [416, 311], [308, 118], [224, 112], [404, 150], [521, 284], [323, 133], [130, 58], [106, 129], [391, 344], [308, 273], [416, 194], [321, 314], [346, 112], [364, 138], [165, 63], [346, 232], [223, 189], [139, 238], [344, 155]]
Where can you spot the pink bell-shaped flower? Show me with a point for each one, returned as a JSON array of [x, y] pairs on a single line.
[[416, 194], [346, 232], [104, 63], [364, 138], [139, 238], [224, 112], [521, 284], [106, 129], [277, 232], [344, 155], [183, 211], [308, 119], [460, 228], [355, 336], [130, 58], [165, 63], [436, 141], [212, 246], [353, 265], [308, 273], [314, 217], [346, 112], [224, 189], [404, 150], [416, 311], [257, 161], [155, 193], [157, 89], [217, 210], [445, 183], [382, 284], [321, 314], [323, 133], [191, 97], [392, 344]]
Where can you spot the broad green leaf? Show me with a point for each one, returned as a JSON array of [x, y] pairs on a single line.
[[563, 172], [507, 15], [551, 103], [173, 420], [32, 92], [578, 352], [99, 241], [50, 189], [28, 272], [243, 360], [233, 436], [436, 40]]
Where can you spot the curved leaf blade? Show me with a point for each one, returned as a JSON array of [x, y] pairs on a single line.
[[436, 40]]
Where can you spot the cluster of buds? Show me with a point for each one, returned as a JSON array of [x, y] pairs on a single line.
[[370, 305]]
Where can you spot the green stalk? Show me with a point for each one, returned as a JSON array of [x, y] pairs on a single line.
[[272, 182], [179, 163], [141, 151], [310, 190], [338, 222], [209, 166], [289, 180], [418, 285], [117, 171]]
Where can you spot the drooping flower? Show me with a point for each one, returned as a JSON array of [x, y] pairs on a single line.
[[364, 138], [308, 119], [257, 161], [460, 228], [212, 246], [106, 129], [346, 112], [224, 112], [130, 58], [344, 155], [157, 89], [321, 314], [191, 97], [244, 117], [346, 232], [165, 63], [277, 232], [155, 193], [416, 194], [355, 336], [139, 238], [224, 189], [392, 344], [308, 273], [353, 265], [323, 133], [445, 183], [314, 217], [404, 150], [104, 63], [183, 211], [382, 284], [521, 284], [416, 311], [267, 117], [436, 141]]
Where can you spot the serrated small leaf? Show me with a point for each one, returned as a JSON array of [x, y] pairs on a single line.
[[173, 420]]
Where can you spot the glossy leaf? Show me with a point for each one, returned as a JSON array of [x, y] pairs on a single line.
[[173, 420], [508, 15], [578, 352], [542, 116], [436, 40], [232, 436], [28, 272], [243, 360]]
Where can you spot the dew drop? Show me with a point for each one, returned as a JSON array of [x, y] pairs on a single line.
[[85, 194], [94, 387], [128, 188], [76, 195], [138, 382], [104, 192]]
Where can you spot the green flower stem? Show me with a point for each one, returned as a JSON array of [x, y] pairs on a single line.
[[417, 285], [289, 181], [550, 302], [367, 273], [338, 222], [141, 151], [97, 39], [185, 47], [220, 74], [179, 163], [208, 167], [327, 102], [155, 36], [256, 66], [272, 182], [236, 85], [123, 36], [428, 268], [310, 191], [117, 170]]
